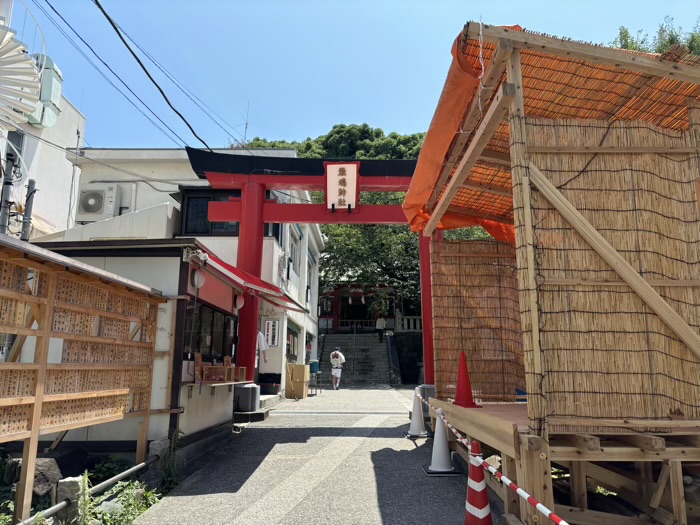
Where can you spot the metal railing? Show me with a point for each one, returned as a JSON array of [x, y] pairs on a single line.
[[394, 367]]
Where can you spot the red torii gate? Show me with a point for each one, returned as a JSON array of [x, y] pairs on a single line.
[[253, 175]]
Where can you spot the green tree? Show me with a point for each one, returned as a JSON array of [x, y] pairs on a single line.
[[667, 35], [369, 255]]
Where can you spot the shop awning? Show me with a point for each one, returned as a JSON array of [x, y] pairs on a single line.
[[254, 285]]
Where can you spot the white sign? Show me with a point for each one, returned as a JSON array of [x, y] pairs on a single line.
[[341, 184]]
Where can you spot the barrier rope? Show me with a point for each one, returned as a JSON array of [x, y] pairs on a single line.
[[507, 482]]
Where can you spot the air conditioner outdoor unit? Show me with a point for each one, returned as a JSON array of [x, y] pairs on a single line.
[[97, 202]]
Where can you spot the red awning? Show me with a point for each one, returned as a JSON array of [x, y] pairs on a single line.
[[254, 285]]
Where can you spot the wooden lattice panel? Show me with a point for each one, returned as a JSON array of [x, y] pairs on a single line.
[[103, 353], [17, 383], [115, 328], [68, 321], [136, 307], [13, 277], [140, 401], [67, 381], [13, 312], [83, 294], [55, 413], [14, 419]]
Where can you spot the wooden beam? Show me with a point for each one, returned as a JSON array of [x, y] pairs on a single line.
[[491, 430], [586, 441], [492, 76], [690, 425], [537, 480], [526, 246], [479, 215], [495, 157], [488, 188], [660, 485], [577, 483], [677, 492], [511, 502], [645, 478], [643, 441], [593, 517], [623, 453], [618, 150], [490, 122], [650, 65], [609, 282], [616, 261], [23, 501]]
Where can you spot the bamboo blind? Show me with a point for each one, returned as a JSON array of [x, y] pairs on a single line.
[[476, 311], [107, 333], [604, 353]]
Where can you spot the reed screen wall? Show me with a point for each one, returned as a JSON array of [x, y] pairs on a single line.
[[475, 310]]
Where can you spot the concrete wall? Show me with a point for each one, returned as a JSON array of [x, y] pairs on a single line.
[[51, 169]]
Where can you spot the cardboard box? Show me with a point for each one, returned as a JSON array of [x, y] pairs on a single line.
[[297, 389], [300, 372]]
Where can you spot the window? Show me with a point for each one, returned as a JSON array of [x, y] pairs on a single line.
[[196, 209], [17, 140], [209, 332], [274, 230], [294, 250]]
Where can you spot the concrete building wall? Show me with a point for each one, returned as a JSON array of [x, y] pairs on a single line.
[[54, 173]]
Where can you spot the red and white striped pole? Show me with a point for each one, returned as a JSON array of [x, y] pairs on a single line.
[[478, 510]]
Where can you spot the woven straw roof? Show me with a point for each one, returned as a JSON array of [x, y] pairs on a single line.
[[553, 88]]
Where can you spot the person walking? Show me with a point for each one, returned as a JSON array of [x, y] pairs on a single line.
[[337, 362], [380, 327]]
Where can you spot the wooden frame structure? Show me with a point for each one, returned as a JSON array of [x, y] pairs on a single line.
[[639, 456], [93, 336]]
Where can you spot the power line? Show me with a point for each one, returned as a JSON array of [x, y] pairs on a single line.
[[148, 74], [113, 72], [102, 73], [207, 110]]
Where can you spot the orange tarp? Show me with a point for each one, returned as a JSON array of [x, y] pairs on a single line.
[[460, 86]]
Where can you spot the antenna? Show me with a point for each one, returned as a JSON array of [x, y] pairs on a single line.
[[245, 131]]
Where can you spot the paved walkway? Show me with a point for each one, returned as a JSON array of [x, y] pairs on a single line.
[[337, 458]]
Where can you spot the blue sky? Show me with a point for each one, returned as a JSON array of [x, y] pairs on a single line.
[[302, 65]]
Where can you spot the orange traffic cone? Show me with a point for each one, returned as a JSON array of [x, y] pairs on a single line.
[[478, 511], [464, 396]]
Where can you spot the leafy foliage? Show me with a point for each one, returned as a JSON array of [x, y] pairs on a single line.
[[133, 500], [667, 35], [368, 255], [108, 468]]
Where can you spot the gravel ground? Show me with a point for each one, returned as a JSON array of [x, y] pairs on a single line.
[[338, 458]]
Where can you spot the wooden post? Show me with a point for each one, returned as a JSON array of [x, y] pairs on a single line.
[[577, 480], [142, 438], [25, 489], [511, 500], [525, 241], [535, 478], [677, 492]]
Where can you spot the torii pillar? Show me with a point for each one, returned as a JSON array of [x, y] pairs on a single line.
[[250, 252]]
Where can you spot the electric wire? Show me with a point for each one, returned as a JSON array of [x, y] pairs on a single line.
[[148, 74], [206, 109], [102, 73], [92, 50]]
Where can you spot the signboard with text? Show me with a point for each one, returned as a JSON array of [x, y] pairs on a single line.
[[341, 184]]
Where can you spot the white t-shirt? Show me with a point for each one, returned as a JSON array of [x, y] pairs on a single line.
[[337, 362], [262, 347], [381, 323]]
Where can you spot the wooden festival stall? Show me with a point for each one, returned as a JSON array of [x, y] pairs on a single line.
[[82, 351], [585, 161]]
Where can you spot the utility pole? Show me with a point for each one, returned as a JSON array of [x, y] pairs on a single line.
[[7, 181], [27, 219]]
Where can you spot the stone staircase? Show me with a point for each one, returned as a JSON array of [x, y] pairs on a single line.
[[366, 359]]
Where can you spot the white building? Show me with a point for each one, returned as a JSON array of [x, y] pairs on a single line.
[[152, 212], [43, 158]]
